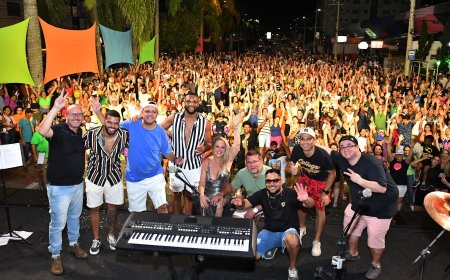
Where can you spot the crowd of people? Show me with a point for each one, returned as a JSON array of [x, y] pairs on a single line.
[[269, 134]]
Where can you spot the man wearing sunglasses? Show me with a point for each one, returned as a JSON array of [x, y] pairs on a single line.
[[363, 171], [280, 215]]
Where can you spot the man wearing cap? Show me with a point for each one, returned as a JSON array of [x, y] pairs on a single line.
[[364, 171], [144, 172], [191, 137], [317, 174]]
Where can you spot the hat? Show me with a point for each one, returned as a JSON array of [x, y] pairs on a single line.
[[308, 131], [399, 152], [149, 103], [380, 137], [349, 138]]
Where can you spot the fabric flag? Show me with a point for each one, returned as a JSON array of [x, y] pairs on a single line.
[[199, 47], [118, 47], [13, 57], [148, 51], [68, 51]]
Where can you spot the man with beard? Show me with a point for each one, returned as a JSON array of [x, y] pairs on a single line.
[[65, 179], [191, 137], [317, 175], [104, 175], [280, 218], [144, 172]]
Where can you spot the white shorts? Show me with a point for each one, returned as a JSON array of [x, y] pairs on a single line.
[[264, 141], [192, 177], [401, 190], [137, 192], [94, 194]]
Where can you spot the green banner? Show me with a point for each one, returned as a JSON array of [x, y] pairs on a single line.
[[147, 51], [13, 57]]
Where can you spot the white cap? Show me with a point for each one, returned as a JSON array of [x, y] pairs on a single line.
[[309, 131]]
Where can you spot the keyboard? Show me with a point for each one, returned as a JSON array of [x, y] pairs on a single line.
[[208, 236]]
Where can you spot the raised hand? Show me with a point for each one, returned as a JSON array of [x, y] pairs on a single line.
[[60, 101], [95, 103], [301, 190]]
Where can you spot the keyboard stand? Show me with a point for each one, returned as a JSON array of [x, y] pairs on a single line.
[[193, 271]]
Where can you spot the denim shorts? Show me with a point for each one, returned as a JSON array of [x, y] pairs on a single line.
[[268, 240]]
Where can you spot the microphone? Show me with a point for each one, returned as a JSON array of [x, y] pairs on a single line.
[[174, 169], [366, 193]]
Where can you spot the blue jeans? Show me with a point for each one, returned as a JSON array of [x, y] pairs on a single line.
[[66, 204], [409, 189]]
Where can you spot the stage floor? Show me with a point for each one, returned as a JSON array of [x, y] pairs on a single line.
[[411, 233]]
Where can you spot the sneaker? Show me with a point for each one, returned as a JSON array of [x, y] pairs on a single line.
[[95, 247], [112, 242], [57, 268], [292, 274], [350, 258], [373, 272], [270, 254], [76, 250], [302, 231], [316, 251]]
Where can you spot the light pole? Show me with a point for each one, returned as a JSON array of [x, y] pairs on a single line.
[[315, 28], [304, 32], [438, 62]]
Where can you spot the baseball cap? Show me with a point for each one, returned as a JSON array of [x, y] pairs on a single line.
[[399, 152], [349, 138], [380, 137], [308, 131], [149, 103]]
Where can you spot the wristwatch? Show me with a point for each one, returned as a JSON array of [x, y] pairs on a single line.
[[255, 210], [325, 191]]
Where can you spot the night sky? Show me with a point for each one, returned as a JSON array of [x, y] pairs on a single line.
[[278, 13]]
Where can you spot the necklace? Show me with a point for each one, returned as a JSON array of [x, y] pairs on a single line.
[[276, 197]]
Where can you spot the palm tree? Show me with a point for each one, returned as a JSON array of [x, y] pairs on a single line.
[[91, 5], [34, 45]]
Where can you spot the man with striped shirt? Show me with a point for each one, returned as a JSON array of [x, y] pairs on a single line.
[[191, 137], [104, 175]]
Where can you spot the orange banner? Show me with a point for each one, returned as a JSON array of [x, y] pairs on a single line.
[[68, 51]]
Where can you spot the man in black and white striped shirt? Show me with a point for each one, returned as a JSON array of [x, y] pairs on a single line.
[[191, 137], [104, 175]]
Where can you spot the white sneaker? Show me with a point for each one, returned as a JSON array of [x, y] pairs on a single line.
[[95, 247], [316, 251], [292, 274], [112, 242]]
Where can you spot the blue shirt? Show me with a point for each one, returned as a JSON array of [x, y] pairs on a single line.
[[27, 130], [145, 151]]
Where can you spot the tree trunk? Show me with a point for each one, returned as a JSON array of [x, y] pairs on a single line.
[[34, 46], [98, 44]]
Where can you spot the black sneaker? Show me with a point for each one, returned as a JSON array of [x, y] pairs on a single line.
[[95, 247], [270, 254], [350, 258], [373, 272]]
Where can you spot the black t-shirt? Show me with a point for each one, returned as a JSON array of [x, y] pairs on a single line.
[[315, 167], [280, 213], [380, 205], [398, 171], [65, 157]]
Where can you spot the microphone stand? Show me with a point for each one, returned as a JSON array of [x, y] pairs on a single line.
[[195, 193], [338, 262], [425, 252]]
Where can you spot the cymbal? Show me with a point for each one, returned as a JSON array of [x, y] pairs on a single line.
[[437, 205]]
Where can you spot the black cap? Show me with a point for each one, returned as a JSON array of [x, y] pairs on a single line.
[[349, 138]]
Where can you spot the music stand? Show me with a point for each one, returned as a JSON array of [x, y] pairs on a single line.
[[10, 156]]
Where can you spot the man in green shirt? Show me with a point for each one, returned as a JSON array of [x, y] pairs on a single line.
[[39, 148]]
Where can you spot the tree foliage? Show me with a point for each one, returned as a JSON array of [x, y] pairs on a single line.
[[443, 53], [425, 42]]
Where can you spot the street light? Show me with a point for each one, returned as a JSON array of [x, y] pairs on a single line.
[[438, 62], [315, 28], [304, 32]]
